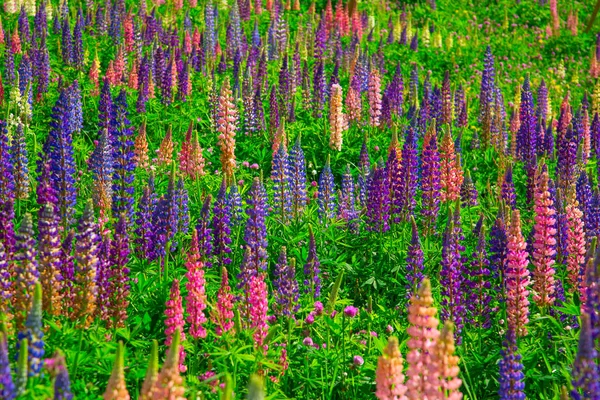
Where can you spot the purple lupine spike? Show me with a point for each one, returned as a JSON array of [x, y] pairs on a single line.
[[468, 191], [7, 385], [326, 196], [498, 240], [507, 192], [567, 158], [77, 53], [67, 43], [255, 234], [585, 200], [282, 183], [103, 279], [102, 164], [59, 150], [221, 223], [542, 101], [478, 298], [124, 163], [347, 209], [42, 69], [234, 201], [144, 85], [274, 118], [144, 230], [378, 201], [23, 22], [20, 163], [451, 278], [166, 82], [40, 21], [210, 34], [414, 42], [285, 286], [25, 78], [408, 176], [33, 332], [585, 375], [75, 107], [395, 92], [165, 218], [430, 179], [183, 212], [488, 83], [511, 378], [9, 64], [595, 135], [414, 260], [25, 269], [319, 90], [205, 232], [364, 161], [49, 249], [527, 135], [298, 178], [67, 269], [114, 29], [312, 279], [120, 273]]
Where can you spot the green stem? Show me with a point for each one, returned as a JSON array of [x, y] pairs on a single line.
[[76, 362]]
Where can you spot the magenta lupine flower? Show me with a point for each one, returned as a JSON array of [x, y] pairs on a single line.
[[120, 272], [285, 286], [174, 321], [196, 297], [258, 307], [544, 242], [430, 179], [517, 278], [378, 202], [222, 317]]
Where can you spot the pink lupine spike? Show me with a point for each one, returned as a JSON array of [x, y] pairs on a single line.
[[451, 177], [258, 308], [448, 364], [517, 278], [174, 321], [389, 376], [222, 316], [374, 98], [196, 297], [575, 241]]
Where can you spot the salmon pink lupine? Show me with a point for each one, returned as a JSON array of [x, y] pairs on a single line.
[[389, 376], [174, 321], [169, 383], [140, 147], [544, 242], [258, 308], [165, 150], [222, 316], [517, 278], [337, 119], [116, 389], [448, 364], [227, 120], [374, 98], [423, 372], [196, 297], [451, 177], [575, 241]]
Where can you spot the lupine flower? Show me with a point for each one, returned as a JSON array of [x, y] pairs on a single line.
[[191, 160], [282, 182], [227, 120], [144, 230], [326, 199], [408, 179], [116, 389], [221, 227], [517, 278], [451, 177], [448, 364], [430, 179], [140, 146], [196, 297], [234, 200], [7, 192], [423, 373], [374, 97], [255, 234], [389, 376], [102, 165], [451, 277], [478, 300], [414, 260], [258, 308], [584, 197], [34, 333], [508, 188], [182, 200], [20, 163], [124, 160], [312, 281], [585, 376], [204, 229], [511, 377], [337, 119], [468, 191], [49, 258], [285, 285], [103, 278], [347, 209], [86, 255], [174, 322], [575, 241], [25, 269], [59, 149], [151, 372], [378, 202], [169, 383], [165, 150], [222, 315], [120, 273], [544, 242], [7, 386]]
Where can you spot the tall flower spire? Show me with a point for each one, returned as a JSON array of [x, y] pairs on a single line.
[[374, 97], [222, 227], [227, 120], [451, 177], [285, 285], [430, 179], [511, 370], [575, 241], [517, 278], [174, 322], [297, 163], [223, 315], [116, 389], [25, 269], [414, 260], [49, 258], [258, 308], [423, 373], [255, 234], [585, 375], [448, 364], [544, 242], [119, 257], [389, 376], [326, 198], [337, 119], [196, 297], [34, 333], [124, 160]]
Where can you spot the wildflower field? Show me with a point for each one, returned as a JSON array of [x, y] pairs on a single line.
[[298, 199]]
